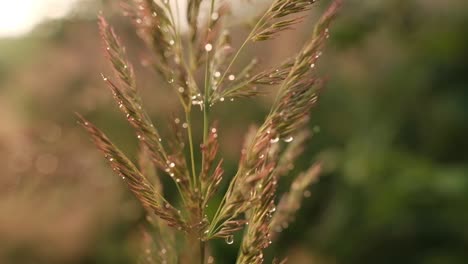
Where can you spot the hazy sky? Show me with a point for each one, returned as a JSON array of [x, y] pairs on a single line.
[[18, 17]]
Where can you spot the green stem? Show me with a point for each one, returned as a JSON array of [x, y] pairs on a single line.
[[190, 137], [206, 101], [249, 37]]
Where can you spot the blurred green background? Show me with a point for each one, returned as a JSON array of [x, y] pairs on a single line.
[[391, 126]]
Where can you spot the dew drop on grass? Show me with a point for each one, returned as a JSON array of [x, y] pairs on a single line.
[[221, 99], [208, 47], [230, 240], [288, 139], [232, 77], [172, 165], [274, 140]]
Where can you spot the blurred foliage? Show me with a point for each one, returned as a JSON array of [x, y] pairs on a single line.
[[391, 127]]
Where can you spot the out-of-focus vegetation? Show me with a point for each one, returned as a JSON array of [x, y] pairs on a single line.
[[391, 127]]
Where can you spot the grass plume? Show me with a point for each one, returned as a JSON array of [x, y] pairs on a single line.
[[268, 152]]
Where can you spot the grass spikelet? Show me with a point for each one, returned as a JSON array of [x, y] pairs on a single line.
[[137, 183], [275, 21]]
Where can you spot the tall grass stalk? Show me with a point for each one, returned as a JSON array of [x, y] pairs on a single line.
[[249, 203]]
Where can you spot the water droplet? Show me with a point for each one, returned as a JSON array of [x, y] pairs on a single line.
[[217, 74], [274, 140], [172, 165], [221, 99], [214, 16], [213, 130], [288, 139], [185, 125], [312, 65], [208, 47], [171, 42], [232, 77], [181, 89], [230, 239]]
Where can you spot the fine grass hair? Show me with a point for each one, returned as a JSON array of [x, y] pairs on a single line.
[[250, 202]]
